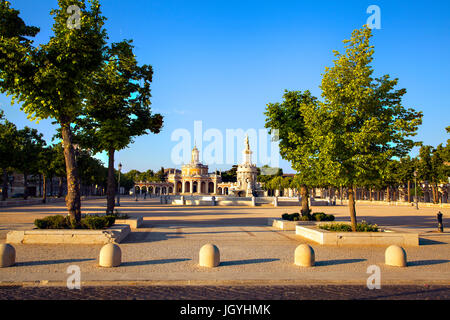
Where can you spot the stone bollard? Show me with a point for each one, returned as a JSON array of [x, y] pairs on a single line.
[[7, 255], [304, 256], [110, 256], [275, 201], [213, 201], [253, 202], [182, 200], [209, 256], [395, 256]]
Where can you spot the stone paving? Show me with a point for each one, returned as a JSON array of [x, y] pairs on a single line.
[[165, 250], [288, 292]]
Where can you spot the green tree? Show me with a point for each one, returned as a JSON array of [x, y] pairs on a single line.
[[295, 139], [8, 150], [30, 144], [52, 80], [117, 108], [361, 123]]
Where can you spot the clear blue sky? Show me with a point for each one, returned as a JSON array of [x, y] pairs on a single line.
[[221, 62]]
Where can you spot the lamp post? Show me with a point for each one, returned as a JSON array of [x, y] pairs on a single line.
[[118, 182], [415, 189]]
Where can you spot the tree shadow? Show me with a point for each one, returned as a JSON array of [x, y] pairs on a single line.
[[425, 262], [248, 261], [150, 262], [48, 262], [336, 262], [149, 236], [428, 242]]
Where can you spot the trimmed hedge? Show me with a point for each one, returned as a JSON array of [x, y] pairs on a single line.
[[344, 227], [318, 216], [93, 222]]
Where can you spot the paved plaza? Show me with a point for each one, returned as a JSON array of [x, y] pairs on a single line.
[[165, 251]]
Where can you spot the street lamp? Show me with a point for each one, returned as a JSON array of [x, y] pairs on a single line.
[[415, 189], [118, 194]]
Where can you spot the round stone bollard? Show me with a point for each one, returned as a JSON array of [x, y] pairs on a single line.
[[209, 256], [304, 256], [395, 256], [7, 255], [110, 256]]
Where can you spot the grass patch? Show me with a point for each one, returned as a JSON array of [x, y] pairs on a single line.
[[343, 227]]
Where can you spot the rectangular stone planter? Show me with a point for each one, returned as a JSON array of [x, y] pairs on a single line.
[[134, 223], [386, 237], [115, 234], [288, 225]]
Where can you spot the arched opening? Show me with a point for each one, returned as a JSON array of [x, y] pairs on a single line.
[[157, 190], [179, 187], [144, 189], [150, 190], [211, 187], [170, 190], [225, 190], [219, 190], [195, 187], [137, 189], [203, 187], [163, 190], [187, 187]]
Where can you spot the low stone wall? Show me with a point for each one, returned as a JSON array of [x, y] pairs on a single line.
[[288, 225], [398, 203], [32, 202], [115, 234], [134, 223], [199, 200], [385, 237]]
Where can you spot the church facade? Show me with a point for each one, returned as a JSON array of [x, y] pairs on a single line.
[[194, 178]]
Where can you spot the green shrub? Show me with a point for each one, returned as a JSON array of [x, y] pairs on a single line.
[[318, 216], [344, 227], [93, 222], [291, 217], [97, 222], [53, 222]]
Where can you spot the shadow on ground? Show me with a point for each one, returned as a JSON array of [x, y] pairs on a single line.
[[248, 261], [47, 262], [150, 262], [426, 262], [336, 262]]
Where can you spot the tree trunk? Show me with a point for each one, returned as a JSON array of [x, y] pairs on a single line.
[[40, 185], [409, 191], [60, 187], [388, 193], [73, 199], [352, 208], [371, 194], [5, 185], [435, 193], [305, 205], [111, 187], [25, 186], [44, 197]]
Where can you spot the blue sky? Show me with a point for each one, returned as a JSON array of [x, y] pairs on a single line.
[[221, 62]]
